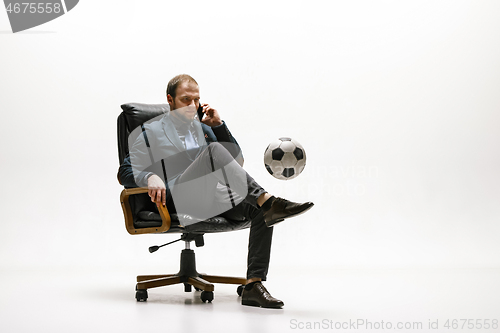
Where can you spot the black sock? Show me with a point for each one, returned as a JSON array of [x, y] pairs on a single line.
[[267, 205], [250, 285]]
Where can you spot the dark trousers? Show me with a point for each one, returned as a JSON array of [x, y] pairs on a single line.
[[215, 184], [259, 242]]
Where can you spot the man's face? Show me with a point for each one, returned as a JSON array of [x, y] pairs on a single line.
[[186, 101]]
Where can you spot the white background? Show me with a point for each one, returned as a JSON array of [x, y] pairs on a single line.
[[396, 103]]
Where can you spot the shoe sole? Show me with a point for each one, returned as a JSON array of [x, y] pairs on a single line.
[[256, 304], [272, 223]]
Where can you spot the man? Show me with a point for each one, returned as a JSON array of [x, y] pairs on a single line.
[[192, 164]]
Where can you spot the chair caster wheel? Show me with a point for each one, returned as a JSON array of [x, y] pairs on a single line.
[[187, 287], [141, 295], [240, 290], [207, 296]]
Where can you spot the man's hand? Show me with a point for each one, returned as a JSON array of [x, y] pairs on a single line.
[[157, 190], [211, 117]]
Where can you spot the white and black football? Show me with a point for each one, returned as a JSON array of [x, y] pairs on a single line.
[[285, 158]]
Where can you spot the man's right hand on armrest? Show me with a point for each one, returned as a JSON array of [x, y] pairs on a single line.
[[157, 190]]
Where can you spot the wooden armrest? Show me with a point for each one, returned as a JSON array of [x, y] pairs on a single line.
[[135, 190], [129, 219]]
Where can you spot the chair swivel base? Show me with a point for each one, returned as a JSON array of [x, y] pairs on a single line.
[[187, 275]]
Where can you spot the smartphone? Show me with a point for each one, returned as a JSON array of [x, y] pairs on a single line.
[[200, 112]]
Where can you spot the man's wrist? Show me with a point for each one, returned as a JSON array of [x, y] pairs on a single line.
[[217, 124], [221, 122]]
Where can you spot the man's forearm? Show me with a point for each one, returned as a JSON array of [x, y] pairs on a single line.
[[224, 135]]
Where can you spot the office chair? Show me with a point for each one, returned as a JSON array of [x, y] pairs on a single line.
[[143, 217]]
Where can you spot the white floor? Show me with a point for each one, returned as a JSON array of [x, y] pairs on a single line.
[[100, 301]]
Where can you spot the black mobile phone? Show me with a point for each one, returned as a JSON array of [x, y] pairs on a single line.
[[200, 112]]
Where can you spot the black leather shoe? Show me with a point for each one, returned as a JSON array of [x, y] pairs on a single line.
[[259, 296], [282, 209]]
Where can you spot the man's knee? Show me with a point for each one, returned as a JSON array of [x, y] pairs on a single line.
[[219, 150], [217, 146]]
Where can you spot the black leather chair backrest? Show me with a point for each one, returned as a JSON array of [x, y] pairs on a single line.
[[134, 115]]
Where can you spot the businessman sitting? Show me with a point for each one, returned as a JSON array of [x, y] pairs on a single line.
[[192, 164]]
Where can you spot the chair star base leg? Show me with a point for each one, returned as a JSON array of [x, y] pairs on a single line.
[[186, 275]]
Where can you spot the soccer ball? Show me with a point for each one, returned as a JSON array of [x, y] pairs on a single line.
[[285, 158]]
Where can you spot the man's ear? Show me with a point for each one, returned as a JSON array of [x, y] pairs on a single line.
[[170, 100]]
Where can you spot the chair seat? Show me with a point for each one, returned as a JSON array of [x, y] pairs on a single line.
[[210, 225]]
